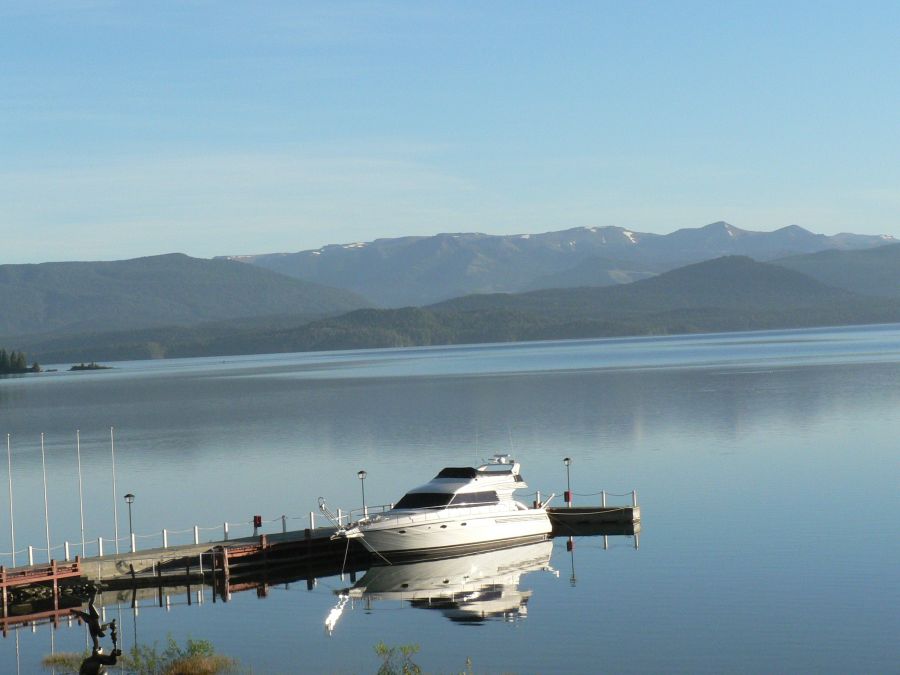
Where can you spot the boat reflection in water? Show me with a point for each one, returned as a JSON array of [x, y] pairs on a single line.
[[468, 589]]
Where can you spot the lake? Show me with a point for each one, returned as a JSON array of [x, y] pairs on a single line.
[[765, 463]]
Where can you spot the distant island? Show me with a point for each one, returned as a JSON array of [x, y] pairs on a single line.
[[15, 363], [89, 366]]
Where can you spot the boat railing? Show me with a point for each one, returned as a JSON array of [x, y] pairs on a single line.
[[362, 513], [425, 514]]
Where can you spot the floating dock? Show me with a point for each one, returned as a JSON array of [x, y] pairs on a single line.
[[307, 553]]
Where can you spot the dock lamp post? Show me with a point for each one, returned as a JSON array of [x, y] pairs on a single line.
[[129, 499], [362, 482], [568, 461]]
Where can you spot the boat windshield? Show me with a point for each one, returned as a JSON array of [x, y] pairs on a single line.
[[424, 500], [433, 500]]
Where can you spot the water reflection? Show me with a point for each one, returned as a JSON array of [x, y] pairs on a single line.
[[469, 589]]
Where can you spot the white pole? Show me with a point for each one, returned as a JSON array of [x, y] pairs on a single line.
[[165, 538], [100, 546], [12, 523], [196, 535], [112, 447], [133, 543], [80, 486], [46, 505], [68, 554], [225, 530]]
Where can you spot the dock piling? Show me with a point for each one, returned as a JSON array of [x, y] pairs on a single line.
[[196, 535]]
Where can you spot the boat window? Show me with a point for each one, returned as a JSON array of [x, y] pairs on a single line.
[[423, 500], [475, 498], [458, 472]]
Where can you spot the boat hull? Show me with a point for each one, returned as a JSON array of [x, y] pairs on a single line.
[[411, 537]]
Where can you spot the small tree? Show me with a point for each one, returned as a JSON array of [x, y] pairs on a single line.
[[397, 660]]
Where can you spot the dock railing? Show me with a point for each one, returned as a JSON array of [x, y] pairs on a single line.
[[227, 530]]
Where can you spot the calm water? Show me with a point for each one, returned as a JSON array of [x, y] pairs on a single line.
[[765, 463]]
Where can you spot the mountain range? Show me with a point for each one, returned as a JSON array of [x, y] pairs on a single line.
[[724, 294], [174, 305], [423, 270]]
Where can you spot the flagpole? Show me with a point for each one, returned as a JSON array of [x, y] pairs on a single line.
[[80, 488], [12, 523], [46, 505], [112, 445]]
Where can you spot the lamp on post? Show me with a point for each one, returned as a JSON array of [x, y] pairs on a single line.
[[129, 499], [362, 482], [567, 461]]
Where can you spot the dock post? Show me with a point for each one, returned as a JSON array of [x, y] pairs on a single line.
[[537, 499], [30, 555], [225, 529], [212, 562], [312, 520], [165, 538], [100, 546], [53, 573], [226, 575], [159, 584], [603, 498], [196, 536], [133, 543], [634, 499], [68, 557], [340, 517], [283, 523]]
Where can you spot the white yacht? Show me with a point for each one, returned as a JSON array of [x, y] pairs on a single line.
[[460, 510]]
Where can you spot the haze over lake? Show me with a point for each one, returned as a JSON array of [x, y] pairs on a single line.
[[765, 465]]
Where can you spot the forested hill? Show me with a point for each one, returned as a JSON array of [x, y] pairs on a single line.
[[81, 297], [732, 283], [870, 272], [726, 294]]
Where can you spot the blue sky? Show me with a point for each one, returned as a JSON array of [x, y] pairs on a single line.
[[217, 128]]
